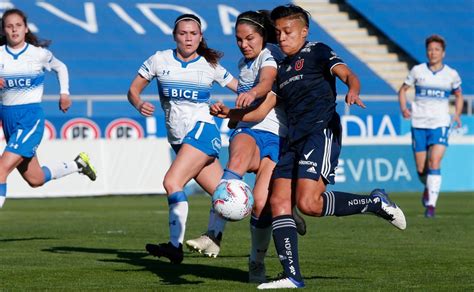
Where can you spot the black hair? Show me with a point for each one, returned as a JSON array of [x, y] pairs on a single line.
[[261, 22], [212, 56], [30, 37], [292, 11]]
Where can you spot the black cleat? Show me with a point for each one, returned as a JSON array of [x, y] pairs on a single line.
[[299, 220], [167, 250]]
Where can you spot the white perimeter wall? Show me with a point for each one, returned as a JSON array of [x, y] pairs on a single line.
[[123, 167]]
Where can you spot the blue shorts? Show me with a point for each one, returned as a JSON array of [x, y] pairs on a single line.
[[23, 126], [267, 142], [311, 157], [422, 139], [204, 137]]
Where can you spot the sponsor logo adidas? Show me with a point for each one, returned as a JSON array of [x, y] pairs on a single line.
[[312, 169]]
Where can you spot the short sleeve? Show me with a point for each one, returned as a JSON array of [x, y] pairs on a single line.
[[410, 80], [456, 81], [222, 76], [328, 56], [147, 69]]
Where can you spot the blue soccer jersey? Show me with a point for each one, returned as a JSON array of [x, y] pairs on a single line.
[[308, 89]]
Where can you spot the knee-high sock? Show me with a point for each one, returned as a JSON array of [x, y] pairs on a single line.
[[59, 170], [3, 193], [178, 213], [286, 244], [433, 182], [344, 204], [216, 225], [261, 233]]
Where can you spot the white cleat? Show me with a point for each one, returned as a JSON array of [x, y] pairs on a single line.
[[257, 272], [389, 210], [204, 245], [284, 283], [2, 200]]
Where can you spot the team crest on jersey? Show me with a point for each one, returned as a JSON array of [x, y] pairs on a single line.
[[299, 64]]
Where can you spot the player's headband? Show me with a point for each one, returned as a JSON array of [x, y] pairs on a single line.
[[251, 20], [188, 17]]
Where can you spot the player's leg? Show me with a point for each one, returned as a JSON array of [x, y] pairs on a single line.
[[317, 164], [209, 244], [260, 222], [242, 157], [8, 162], [438, 141], [420, 150]]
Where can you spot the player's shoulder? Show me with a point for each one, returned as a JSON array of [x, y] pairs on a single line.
[[450, 70]]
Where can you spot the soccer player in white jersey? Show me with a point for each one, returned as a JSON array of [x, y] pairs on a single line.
[[253, 146], [185, 76], [22, 65], [434, 82]]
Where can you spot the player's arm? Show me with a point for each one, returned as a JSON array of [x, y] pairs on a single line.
[[232, 85], [458, 105], [402, 100], [350, 79], [63, 77], [265, 82], [250, 114], [143, 107]]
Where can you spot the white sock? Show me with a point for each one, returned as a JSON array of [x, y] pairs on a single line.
[[2, 200], [178, 214], [260, 240], [433, 182], [216, 224], [62, 169], [3, 193]]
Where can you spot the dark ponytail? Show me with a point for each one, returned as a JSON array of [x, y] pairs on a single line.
[[30, 37]]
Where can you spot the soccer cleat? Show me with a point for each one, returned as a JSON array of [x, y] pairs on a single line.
[[389, 210], [425, 197], [300, 222], [85, 167], [205, 244], [283, 283], [167, 250], [257, 272], [430, 212]]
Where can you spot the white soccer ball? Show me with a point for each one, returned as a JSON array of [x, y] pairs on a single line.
[[232, 199]]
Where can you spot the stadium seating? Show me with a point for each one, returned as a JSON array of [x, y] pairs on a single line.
[[408, 23], [104, 42]]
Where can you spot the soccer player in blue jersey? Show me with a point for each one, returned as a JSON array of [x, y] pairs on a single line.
[[23, 61], [254, 146], [185, 76], [306, 85], [434, 82]]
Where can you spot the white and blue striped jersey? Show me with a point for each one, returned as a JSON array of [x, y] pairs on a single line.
[[23, 72], [184, 89], [430, 109], [275, 121]]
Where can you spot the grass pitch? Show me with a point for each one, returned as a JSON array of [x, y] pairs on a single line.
[[98, 243]]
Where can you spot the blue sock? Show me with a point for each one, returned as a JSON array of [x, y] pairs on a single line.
[[3, 193], [229, 174], [264, 221], [47, 174], [286, 244], [344, 204]]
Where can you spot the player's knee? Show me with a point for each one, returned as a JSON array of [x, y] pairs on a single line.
[[35, 182], [170, 185], [258, 206], [310, 204]]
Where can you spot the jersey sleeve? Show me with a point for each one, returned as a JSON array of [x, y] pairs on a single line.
[[147, 69], [410, 80], [46, 57], [456, 85], [328, 57], [222, 76]]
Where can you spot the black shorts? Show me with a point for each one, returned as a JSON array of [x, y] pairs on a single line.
[[313, 156]]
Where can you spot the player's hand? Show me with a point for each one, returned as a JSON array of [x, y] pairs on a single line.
[[219, 110], [353, 98], [146, 109], [64, 102], [2, 82], [245, 99], [406, 113], [457, 121]]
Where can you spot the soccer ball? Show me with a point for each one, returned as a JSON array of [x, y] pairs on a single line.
[[232, 199]]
